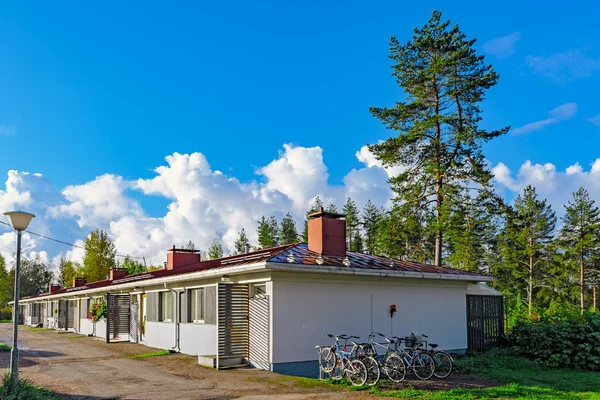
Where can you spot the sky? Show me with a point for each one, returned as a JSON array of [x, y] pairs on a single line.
[[168, 122]]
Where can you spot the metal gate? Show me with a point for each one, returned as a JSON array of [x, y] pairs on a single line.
[[258, 354], [117, 323], [61, 322], [485, 321], [134, 321], [232, 321]]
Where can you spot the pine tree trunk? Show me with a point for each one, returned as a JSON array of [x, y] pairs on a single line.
[[438, 234], [582, 280], [594, 294], [530, 294]]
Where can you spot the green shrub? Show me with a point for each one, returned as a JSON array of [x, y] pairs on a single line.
[[559, 341], [6, 313]]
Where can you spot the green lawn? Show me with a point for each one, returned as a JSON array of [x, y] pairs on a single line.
[[151, 354], [5, 321], [24, 390], [4, 347], [521, 378], [76, 336]]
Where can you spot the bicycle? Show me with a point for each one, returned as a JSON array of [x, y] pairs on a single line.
[[443, 361], [390, 363], [337, 361], [420, 363]]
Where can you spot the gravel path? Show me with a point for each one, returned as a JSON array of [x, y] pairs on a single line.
[[89, 369]]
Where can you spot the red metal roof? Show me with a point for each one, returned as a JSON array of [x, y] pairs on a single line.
[[289, 254]]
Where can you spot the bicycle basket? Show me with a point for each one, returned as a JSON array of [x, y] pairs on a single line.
[[410, 341]]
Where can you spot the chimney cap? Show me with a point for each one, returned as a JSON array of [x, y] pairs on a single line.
[[325, 214], [176, 250]]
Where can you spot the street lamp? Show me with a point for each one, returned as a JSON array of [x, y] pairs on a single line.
[[19, 220]]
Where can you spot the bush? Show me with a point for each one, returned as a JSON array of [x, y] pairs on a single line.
[[6, 313], [556, 342]]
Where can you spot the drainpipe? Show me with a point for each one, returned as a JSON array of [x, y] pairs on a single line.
[[176, 317]]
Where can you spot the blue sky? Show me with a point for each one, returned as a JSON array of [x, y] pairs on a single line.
[[94, 88]]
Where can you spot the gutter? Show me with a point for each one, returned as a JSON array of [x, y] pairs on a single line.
[[324, 269]]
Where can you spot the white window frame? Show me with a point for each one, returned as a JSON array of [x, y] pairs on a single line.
[[163, 317], [193, 294], [259, 285]]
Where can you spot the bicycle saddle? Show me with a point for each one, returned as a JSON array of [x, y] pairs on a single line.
[[433, 345]]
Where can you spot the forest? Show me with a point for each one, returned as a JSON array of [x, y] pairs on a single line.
[[445, 210]]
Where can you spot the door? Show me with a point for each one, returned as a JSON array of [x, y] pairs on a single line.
[[134, 319], [142, 313], [258, 353]]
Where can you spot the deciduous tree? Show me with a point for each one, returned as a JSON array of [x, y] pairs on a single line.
[[99, 256]]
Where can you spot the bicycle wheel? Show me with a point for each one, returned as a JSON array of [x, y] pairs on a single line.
[[328, 359], [394, 367], [373, 372], [443, 364], [423, 366], [357, 372], [367, 350], [337, 373]]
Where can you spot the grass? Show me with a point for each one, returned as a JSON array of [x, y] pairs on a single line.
[[5, 321], [521, 378], [23, 390], [33, 328], [4, 347], [151, 354], [76, 336]]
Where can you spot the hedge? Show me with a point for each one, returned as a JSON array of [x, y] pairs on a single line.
[[572, 343]]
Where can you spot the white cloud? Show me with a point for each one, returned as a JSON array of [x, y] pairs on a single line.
[[595, 120], [560, 113], [556, 186], [564, 66], [502, 47], [365, 156], [8, 129], [204, 203]]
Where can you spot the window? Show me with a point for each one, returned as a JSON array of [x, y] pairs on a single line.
[[166, 306], [260, 290], [196, 299], [85, 308]]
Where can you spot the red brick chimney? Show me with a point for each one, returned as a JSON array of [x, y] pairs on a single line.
[[77, 282], [117, 273], [179, 257], [54, 288], [327, 233]]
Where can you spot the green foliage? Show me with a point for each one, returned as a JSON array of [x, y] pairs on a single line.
[[6, 284], [97, 310], [23, 390], [35, 276], [99, 256], [352, 225], [370, 222], [439, 140], [289, 234], [215, 250], [6, 313], [67, 272], [190, 246], [268, 233], [579, 236], [4, 348], [560, 343], [241, 241], [132, 266]]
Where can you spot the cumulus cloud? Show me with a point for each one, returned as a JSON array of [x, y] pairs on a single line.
[[557, 186], [502, 47], [564, 66], [560, 113], [203, 203], [595, 120]]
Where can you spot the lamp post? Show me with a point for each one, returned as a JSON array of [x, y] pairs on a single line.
[[19, 220]]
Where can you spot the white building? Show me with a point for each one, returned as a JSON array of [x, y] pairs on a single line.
[[271, 307]]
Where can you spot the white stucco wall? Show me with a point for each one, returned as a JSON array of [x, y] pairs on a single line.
[[101, 328], [198, 339], [86, 327], [304, 311], [160, 335]]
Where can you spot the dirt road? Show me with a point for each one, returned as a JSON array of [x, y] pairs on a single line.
[[89, 369]]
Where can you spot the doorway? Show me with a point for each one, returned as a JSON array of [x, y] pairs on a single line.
[[142, 312]]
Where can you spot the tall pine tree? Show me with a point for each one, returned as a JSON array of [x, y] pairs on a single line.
[[289, 234], [215, 250], [439, 139], [352, 225], [579, 235], [370, 221], [524, 245], [268, 233]]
